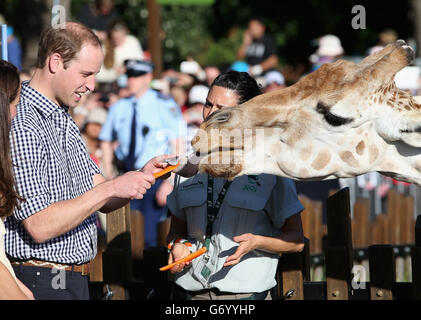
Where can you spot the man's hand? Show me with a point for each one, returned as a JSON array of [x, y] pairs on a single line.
[[157, 164], [178, 251], [248, 242], [132, 185]]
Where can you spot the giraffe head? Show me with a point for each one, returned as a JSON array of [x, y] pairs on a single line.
[[342, 120]]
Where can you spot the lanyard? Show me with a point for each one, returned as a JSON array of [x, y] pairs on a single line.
[[212, 210]]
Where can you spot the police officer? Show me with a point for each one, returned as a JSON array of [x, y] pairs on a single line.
[[144, 125]]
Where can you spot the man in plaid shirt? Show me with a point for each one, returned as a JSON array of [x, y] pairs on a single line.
[[55, 227]]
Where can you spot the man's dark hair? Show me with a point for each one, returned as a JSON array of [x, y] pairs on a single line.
[[241, 82], [67, 42]]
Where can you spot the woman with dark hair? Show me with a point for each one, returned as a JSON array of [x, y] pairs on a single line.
[[10, 286], [245, 224]]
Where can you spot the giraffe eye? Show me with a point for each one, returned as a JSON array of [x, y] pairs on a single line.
[[331, 118]]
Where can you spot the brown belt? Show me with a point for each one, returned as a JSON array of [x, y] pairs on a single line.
[[82, 268]]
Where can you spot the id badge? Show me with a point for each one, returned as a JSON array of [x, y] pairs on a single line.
[[203, 270]]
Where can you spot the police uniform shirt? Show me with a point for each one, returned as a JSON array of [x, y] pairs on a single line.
[[259, 206], [158, 121]]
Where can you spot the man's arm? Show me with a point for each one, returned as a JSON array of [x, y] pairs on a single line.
[[270, 62], [247, 40], [105, 196], [61, 217]]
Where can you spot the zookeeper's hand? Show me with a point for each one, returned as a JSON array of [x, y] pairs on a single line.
[[247, 242], [178, 251], [132, 185]]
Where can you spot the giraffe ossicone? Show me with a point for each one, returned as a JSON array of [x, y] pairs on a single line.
[[342, 120]]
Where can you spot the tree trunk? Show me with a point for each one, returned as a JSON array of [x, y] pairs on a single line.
[[155, 36]]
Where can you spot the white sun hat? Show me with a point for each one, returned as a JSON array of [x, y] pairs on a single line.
[[330, 45], [198, 94]]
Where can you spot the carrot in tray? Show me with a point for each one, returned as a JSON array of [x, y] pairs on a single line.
[[190, 257]]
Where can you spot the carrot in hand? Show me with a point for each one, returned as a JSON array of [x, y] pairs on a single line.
[[190, 257], [164, 171]]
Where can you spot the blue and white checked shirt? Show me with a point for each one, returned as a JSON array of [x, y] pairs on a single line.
[[51, 164]]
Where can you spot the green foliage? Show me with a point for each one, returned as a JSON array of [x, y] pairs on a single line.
[[221, 52], [185, 32]]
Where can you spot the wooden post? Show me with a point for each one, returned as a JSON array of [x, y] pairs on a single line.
[[96, 265], [294, 268], [382, 271], [339, 255], [416, 261], [361, 224], [137, 229], [380, 229], [407, 220], [393, 209], [155, 36], [117, 258], [312, 221]]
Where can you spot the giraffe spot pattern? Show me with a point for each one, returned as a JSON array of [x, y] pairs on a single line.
[[348, 158], [321, 160], [360, 147]]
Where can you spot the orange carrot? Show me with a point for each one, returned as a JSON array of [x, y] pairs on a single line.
[[164, 171], [190, 257]]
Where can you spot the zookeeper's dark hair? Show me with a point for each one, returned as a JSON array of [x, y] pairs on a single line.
[[9, 89], [241, 82]]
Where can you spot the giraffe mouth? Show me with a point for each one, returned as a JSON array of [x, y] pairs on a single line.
[[415, 130], [217, 152], [224, 162]]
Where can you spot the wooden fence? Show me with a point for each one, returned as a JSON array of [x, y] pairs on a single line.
[[361, 260], [344, 259]]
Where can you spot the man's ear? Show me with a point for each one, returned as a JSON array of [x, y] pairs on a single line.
[[55, 62]]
